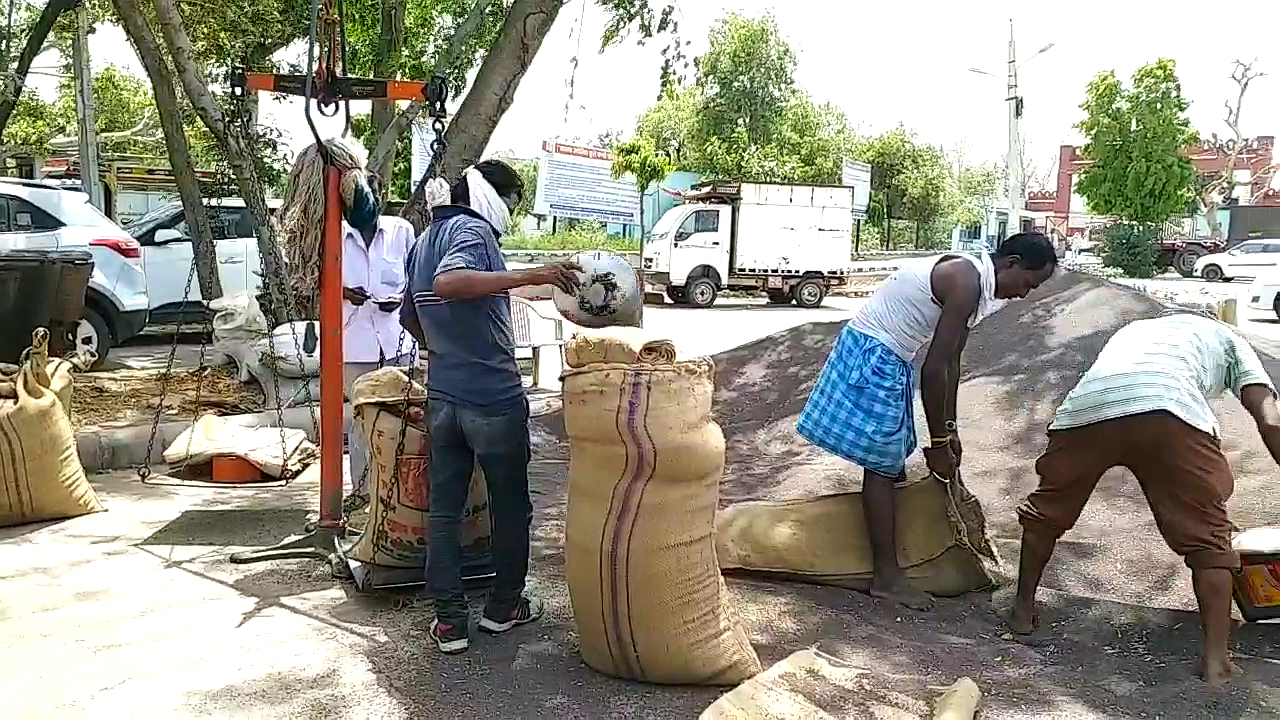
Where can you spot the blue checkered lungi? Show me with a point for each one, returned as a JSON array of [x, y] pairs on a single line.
[[861, 407]]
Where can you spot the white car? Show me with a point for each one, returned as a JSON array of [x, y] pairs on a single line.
[[39, 216], [1246, 260], [167, 256], [1263, 291]]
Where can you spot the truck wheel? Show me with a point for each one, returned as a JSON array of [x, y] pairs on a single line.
[[701, 293], [809, 293], [675, 294], [779, 297], [1212, 273], [1184, 262]]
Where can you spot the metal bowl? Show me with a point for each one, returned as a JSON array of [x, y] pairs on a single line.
[[609, 293]]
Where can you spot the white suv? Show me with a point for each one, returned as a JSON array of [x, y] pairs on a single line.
[[167, 256], [38, 216]]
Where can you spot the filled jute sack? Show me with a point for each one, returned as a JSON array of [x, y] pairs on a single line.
[[40, 472], [644, 474], [396, 533], [941, 530], [625, 345], [812, 685]]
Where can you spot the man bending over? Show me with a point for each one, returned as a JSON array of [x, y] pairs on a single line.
[[1144, 405], [861, 407]]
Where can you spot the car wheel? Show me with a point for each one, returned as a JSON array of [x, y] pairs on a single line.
[[1211, 273], [1275, 305], [701, 293], [809, 293], [93, 334]]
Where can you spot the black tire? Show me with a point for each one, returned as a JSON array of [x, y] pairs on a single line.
[[675, 294], [1184, 261], [779, 297], [701, 293], [102, 341], [1227, 279], [1211, 273], [809, 293], [1275, 306]]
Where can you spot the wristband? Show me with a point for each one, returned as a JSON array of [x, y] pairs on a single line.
[[939, 442]]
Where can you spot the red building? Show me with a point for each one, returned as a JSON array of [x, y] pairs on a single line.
[[1209, 157]]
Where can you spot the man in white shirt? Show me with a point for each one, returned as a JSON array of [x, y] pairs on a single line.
[[373, 283]]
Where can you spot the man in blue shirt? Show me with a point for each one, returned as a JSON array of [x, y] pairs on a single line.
[[476, 410]]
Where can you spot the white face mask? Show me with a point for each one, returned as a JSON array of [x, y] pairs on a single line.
[[486, 201]]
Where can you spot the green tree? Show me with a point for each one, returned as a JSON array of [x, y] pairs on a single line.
[[1134, 140], [745, 77], [975, 190], [639, 159]]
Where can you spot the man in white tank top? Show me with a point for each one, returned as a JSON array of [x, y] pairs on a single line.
[[861, 407]]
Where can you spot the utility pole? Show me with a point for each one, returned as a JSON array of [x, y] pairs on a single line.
[[1013, 163], [1013, 154], [83, 73]]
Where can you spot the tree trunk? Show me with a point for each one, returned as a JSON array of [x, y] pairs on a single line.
[[203, 248], [387, 65], [492, 92], [235, 145], [384, 153], [35, 43]]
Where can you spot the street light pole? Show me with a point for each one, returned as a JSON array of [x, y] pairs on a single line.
[[1013, 163]]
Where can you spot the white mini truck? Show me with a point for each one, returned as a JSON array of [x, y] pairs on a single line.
[[791, 242]]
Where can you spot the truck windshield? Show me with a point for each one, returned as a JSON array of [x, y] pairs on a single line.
[[666, 223], [146, 222]]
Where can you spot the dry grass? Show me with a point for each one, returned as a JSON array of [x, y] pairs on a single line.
[[130, 397]]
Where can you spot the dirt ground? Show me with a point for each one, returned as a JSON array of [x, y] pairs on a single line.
[[139, 607], [115, 398]]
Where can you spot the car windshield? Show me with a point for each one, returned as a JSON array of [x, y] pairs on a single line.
[[84, 214], [151, 219], [666, 223]]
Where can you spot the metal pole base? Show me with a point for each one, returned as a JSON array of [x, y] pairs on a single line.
[[319, 544]]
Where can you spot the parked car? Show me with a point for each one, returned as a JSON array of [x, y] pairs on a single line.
[[36, 216], [1264, 292], [167, 256], [1246, 260]]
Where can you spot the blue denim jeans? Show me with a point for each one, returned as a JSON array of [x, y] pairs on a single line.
[[499, 441]]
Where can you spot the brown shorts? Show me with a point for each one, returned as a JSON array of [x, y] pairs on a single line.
[[1182, 471]]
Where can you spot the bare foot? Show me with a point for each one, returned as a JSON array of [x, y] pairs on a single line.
[[1217, 673], [903, 592], [1021, 620]]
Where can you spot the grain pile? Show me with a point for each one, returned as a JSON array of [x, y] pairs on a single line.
[[129, 397], [1017, 367]]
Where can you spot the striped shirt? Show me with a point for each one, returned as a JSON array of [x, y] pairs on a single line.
[[1174, 363]]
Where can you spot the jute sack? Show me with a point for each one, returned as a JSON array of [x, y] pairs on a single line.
[[812, 685], [626, 345], [941, 543], [40, 472], [644, 476], [396, 533]]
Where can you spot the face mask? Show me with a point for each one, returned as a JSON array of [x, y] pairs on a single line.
[[364, 209]]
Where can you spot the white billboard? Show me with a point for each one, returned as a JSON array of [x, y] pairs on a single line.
[[577, 182], [857, 175]]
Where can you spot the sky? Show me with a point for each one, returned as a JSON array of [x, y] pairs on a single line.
[[887, 63]]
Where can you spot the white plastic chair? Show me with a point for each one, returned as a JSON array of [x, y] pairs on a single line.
[[536, 331]]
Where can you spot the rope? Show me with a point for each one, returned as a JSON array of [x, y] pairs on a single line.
[[301, 217]]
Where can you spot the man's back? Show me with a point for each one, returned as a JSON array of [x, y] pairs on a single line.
[[470, 346], [1174, 363]]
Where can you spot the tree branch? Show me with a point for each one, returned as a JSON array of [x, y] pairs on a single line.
[[384, 151], [30, 50]]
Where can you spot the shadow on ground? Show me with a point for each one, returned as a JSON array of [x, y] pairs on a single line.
[[1117, 640]]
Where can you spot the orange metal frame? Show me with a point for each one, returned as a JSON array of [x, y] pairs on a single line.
[[341, 88]]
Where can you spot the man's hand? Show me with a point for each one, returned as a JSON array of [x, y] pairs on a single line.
[[563, 275], [956, 450], [389, 304], [941, 461], [356, 295]]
